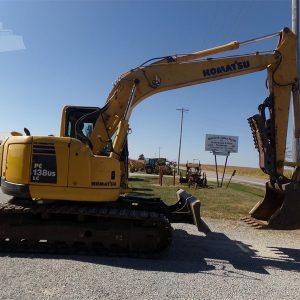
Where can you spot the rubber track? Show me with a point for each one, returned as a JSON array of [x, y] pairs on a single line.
[[74, 228]]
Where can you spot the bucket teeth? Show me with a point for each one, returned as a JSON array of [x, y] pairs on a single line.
[[257, 224]]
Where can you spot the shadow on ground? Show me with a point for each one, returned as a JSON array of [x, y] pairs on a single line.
[[194, 254]]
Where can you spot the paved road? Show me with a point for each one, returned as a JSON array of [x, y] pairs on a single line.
[[237, 178]]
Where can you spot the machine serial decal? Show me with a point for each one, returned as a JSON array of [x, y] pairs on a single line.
[[107, 183], [43, 167], [237, 65], [39, 171]]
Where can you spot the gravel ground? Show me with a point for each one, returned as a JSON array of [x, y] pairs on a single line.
[[235, 262]]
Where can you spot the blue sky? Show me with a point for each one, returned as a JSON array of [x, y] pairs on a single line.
[[75, 50]]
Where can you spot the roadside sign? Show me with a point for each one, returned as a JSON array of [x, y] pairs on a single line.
[[221, 144]]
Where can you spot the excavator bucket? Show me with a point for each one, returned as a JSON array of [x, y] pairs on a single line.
[[280, 209]]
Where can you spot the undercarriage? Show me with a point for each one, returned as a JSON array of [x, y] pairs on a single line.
[[132, 226]]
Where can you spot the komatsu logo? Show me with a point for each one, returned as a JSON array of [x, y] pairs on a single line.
[[237, 65]]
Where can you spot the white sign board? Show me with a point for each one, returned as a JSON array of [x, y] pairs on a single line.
[[221, 144]]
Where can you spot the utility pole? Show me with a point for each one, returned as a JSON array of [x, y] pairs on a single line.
[[296, 106], [159, 151], [182, 111]]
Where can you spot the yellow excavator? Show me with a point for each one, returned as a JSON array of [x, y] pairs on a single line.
[[70, 193]]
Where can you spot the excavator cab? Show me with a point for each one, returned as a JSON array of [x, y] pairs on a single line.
[[78, 121]]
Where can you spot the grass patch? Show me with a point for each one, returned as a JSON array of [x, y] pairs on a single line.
[[233, 202]]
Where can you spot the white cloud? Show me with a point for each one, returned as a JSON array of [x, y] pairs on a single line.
[[9, 41]]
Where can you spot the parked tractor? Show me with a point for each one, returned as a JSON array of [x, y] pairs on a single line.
[[154, 165], [194, 176]]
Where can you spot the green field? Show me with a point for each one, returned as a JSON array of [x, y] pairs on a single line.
[[233, 202]]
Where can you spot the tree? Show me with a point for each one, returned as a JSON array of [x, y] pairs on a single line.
[[141, 157]]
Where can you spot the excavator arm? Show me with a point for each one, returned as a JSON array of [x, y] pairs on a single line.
[[281, 206], [180, 71], [135, 86]]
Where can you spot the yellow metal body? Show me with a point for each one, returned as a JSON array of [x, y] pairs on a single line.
[[60, 168]]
